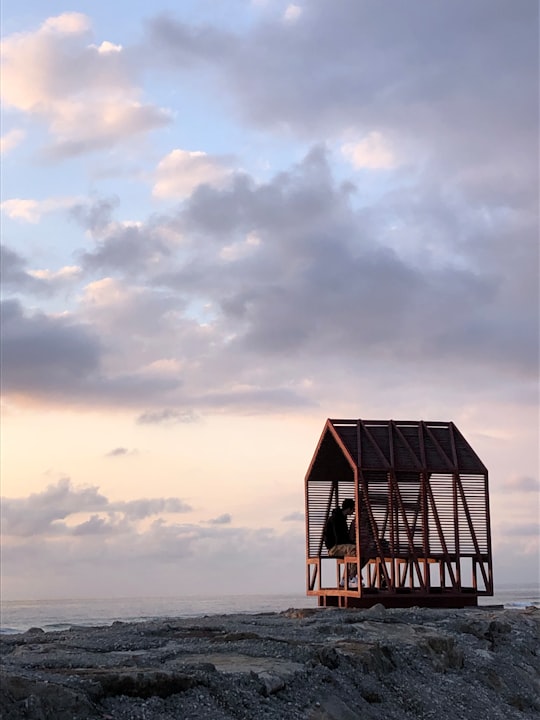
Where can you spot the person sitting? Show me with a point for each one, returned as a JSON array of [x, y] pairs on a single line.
[[336, 537]]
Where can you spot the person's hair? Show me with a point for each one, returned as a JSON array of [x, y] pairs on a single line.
[[347, 504]]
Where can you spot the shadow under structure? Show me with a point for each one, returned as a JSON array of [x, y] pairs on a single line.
[[421, 528]]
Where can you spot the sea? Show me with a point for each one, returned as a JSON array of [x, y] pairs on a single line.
[[20, 615]]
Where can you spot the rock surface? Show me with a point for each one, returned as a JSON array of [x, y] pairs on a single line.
[[314, 664]]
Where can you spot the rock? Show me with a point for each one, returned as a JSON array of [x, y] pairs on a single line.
[[444, 653], [376, 612], [271, 683], [328, 657], [334, 708], [24, 698], [140, 683], [321, 664]]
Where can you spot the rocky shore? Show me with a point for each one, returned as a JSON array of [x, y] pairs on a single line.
[[313, 664]]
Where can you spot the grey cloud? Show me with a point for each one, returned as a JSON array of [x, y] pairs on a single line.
[[124, 249], [511, 565], [118, 452], [61, 358], [128, 389], [305, 194], [37, 513], [167, 416], [44, 513], [97, 525], [139, 509], [17, 279], [259, 398], [130, 311], [521, 484], [454, 87], [165, 557], [108, 551], [522, 530], [119, 248], [438, 276], [224, 519], [327, 285], [14, 275], [419, 66], [95, 216], [42, 353], [184, 45], [168, 559], [294, 517], [322, 277]]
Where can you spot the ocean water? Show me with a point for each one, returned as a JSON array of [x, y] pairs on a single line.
[[19, 616]]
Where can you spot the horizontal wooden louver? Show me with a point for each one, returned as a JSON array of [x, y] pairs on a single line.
[[425, 495]]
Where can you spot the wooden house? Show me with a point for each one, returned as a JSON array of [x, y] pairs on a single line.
[[421, 496]]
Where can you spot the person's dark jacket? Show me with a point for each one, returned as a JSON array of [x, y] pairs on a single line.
[[336, 530]]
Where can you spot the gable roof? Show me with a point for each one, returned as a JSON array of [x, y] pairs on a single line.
[[398, 445]]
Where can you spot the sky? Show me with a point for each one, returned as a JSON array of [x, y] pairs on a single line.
[[225, 222]]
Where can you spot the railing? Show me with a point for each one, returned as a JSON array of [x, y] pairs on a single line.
[[399, 574]]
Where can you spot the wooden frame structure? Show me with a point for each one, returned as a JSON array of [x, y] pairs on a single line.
[[423, 491]]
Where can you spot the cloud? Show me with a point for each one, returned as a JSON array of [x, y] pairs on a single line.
[[111, 303], [46, 352], [53, 512], [66, 274], [454, 88], [66, 24], [292, 13], [294, 517], [128, 246], [96, 216], [521, 484], [117, 452], [113, 545], [247, 287], [522, 530], [185, 46], [61, 359], [101, 128], [273, 282], [522, 536], [372, 153], [32, 211], [86, 94], [322, 277], [16, 277], [95, 526], [164, 560], [140, 509], [36, 514], [107, 47], [181, 171], [261, 398], [224, 519], [300, 287], [167, 416], [125, 247], [240, 248], [10, 140], [124, 548]]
